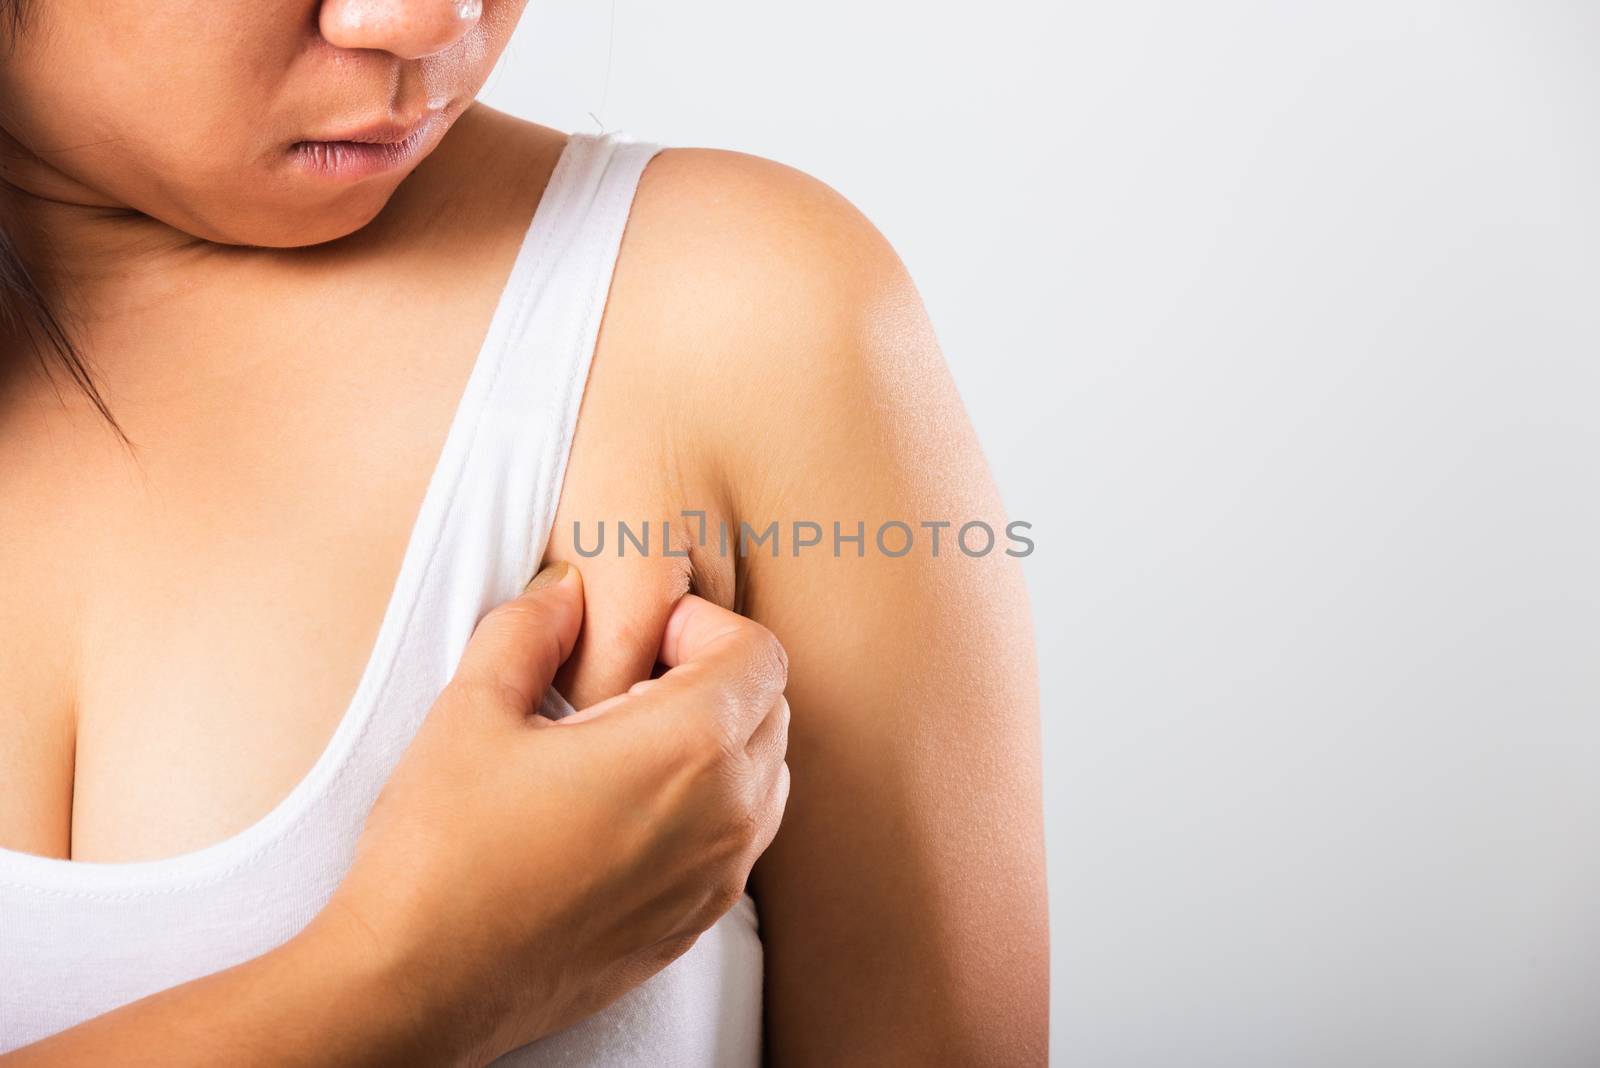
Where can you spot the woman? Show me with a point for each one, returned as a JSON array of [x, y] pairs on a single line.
[[346, 315]]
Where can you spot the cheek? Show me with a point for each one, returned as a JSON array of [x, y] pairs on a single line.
[[129, 93]]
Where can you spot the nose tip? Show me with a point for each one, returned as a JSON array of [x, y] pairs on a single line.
[[410, 29]]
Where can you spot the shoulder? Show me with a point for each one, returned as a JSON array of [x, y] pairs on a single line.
[[725, 253], [780, 322], [758, 242], [748, 211]]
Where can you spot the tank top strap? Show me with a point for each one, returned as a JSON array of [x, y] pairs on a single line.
[[555, 298], [540, 342]]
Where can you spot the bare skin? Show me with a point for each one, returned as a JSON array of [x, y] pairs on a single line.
[[411, 964], [763, 357]]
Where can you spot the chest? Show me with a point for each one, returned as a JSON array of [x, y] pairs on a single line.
[[182, 637]]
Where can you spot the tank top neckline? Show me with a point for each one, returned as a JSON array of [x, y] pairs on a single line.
[[139, 877]]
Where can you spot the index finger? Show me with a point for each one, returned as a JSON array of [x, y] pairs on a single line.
[[741, 661], [721, 667]]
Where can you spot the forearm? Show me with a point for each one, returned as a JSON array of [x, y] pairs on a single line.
[[326, 997]]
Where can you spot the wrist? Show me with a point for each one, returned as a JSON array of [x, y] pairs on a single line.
[[396, 1003]]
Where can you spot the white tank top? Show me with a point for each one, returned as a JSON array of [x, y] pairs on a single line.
[[80, 938]]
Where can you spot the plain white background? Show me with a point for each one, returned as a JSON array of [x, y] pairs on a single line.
[[1281, 322]]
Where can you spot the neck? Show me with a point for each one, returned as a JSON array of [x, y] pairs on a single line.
[[146, 301], [107, 273], [94, 260]]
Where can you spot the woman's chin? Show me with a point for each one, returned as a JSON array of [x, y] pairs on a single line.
[[290, 221]]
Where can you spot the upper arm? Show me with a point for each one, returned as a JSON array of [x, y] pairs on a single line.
[[902, 904]]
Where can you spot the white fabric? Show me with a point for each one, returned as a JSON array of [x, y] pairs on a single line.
[[78, 939]]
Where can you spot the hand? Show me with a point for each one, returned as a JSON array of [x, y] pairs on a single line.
[[517, 873]]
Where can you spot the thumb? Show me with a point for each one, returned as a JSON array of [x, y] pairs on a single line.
[[517, 646]]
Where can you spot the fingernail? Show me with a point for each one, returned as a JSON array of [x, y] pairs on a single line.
[[549, 576]]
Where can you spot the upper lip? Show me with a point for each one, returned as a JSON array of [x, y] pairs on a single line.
[[382, 132]]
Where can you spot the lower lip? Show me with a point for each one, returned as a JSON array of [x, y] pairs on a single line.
[[348, 161]]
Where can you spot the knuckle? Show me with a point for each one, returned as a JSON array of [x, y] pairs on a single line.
[[484, 691], [783, 714], [713, 741], [725, 895], [519, 612], [732, 817], [778, 802], [670, 949], [769, 657], [744, 829], [743, 816], [533, 630], [702, 752]]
